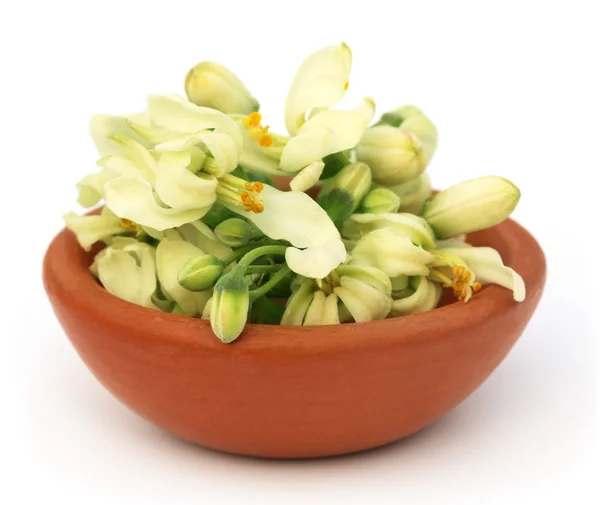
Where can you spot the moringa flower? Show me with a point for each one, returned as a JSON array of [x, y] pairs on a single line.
[[350, 292], [127, 269], [422, 295], [395, 156], [209, 84], [468, 268], [471, 205], [393, 252], [321, 81]]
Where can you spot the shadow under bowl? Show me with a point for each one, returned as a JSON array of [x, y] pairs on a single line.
[[288, 391]]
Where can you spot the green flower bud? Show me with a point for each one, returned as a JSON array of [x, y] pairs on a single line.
[[200, 273], [471, 205], [412, 119], [229, 306], [380, 200], [341, 195], [237, 232], [413, 194], [211, 85], [394, 155]]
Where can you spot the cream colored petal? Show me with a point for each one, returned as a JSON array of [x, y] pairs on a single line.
[[292, 216], [330, 132], [199, 234], [222, 147], [91, 229], [392, 253], [129, 273], [91, 187], [413, 227], [102, 126], [426, 297], [171, 255], [488, 267], [377, 302], [133, 199], [321, 81], [175, 113], [308, 177], [298, 304], [316, 262], [178, 187]]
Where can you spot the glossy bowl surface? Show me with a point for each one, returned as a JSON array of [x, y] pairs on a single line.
[[293, 392]]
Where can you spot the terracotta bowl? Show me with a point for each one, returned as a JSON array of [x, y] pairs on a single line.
[[293, 392]]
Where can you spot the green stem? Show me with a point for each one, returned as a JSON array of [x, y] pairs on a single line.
[[262, 269], [273, 281], [242, 251], [261, 251]]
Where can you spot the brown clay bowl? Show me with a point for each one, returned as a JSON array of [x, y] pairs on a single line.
[[293, 392]]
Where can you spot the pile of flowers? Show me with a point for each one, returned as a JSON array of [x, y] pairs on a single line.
[[194, 224]]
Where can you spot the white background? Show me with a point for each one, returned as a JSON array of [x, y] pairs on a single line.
[[513, 89]]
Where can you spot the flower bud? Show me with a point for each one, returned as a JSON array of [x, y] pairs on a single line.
[[412, 119], [200, 273], [211, 85], [392, 252], [394, 155], [364, 302], [236, 232], [380, 201], [409, 225], [425, 296], [323, 309], [307, 177], [341, 195], [298, 304], [229, 306], [470, 206], [413, 194]]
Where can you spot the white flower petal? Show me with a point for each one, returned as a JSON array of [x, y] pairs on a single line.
[[103, 126], [91, 187], [91, 229], [308, 177], [178, 187], [292, 216], [321, 81], [138, 155], [391, 252], [175, 113], [316, 262], [199, 234], [133, 199], [171, 255], [129, 272], [426, 297], [222, 147], [488, 267], [330, 132]]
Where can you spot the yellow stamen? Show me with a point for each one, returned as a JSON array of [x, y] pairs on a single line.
[[257, 208], [249, 186], [458, 270], [476, 287], [346, 85], [266, 140], [253, 119], [258, 186]]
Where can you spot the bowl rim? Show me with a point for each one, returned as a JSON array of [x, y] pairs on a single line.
[[69, 282]]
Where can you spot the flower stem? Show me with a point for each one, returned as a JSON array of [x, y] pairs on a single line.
[[242, 251], [273, 281], [262, 269], [254, 254]]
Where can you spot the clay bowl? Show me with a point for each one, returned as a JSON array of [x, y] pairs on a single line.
[[293, 392]]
